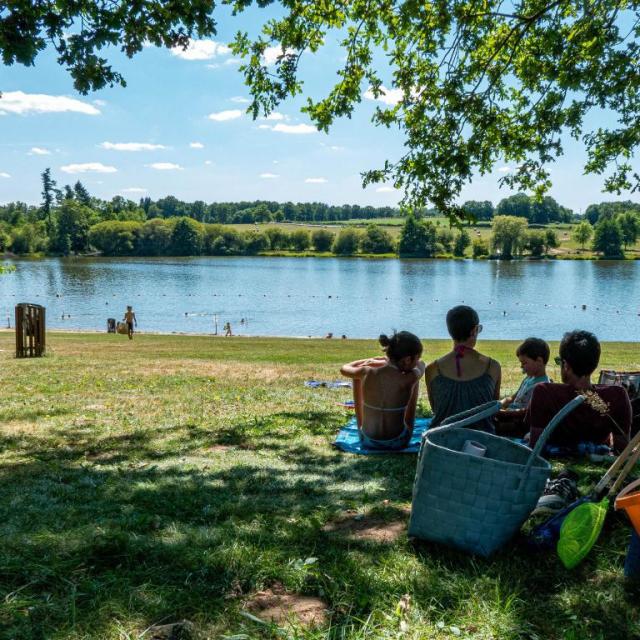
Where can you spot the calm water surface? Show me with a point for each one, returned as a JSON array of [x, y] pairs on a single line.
[[313, 296]]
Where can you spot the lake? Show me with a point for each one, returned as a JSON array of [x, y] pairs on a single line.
[[313, 296]]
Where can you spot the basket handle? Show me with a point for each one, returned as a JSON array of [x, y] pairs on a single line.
[[471, 416], [546, 434]]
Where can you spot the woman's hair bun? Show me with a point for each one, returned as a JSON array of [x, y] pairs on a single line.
[[384, 340]]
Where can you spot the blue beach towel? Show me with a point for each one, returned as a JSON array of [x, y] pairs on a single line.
[[581, 450], [328, 384], [348, 439]]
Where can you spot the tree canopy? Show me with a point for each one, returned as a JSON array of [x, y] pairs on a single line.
[[80, 29], [468, 83], [476, 82]]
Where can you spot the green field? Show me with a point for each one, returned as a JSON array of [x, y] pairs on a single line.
[[568, 248], [173, 477]]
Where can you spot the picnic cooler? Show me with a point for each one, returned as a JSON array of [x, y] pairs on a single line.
[[473, 503]]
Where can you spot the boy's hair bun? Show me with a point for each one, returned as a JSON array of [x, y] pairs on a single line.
[[384, 340]]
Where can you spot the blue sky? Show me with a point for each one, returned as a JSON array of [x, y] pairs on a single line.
[[179, 128]]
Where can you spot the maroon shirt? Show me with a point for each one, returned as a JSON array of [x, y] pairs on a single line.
[[583, 424]]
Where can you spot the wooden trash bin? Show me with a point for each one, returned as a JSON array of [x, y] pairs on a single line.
[[30, 330]]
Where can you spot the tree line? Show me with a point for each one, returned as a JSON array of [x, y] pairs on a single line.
[[69, 220]]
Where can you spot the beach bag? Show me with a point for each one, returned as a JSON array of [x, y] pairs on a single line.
[[477, 504], [630, 380]]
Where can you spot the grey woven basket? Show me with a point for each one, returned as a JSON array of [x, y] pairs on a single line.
[[472, 503]]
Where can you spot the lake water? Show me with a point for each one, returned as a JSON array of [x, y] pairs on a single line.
[[313, 296]]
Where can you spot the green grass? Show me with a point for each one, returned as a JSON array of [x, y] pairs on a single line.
[[170, 478], [568, 248]]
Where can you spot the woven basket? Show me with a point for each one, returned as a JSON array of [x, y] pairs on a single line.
[[472, 503]]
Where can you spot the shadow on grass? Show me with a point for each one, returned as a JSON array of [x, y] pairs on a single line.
[[89, 544]]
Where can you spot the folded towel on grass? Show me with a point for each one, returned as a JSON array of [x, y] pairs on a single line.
[[348, 439], [328, 384], [595, 452]]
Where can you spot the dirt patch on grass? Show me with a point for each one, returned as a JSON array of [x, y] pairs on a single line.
[[275, 605], [370, 527], [219, 448], [223, 372]]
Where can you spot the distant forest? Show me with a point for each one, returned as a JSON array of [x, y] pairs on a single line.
[[70, 220]]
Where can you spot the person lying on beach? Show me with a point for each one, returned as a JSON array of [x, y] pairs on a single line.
[[385, 392]]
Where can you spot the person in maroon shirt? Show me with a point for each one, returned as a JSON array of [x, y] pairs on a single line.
[[605, 416]]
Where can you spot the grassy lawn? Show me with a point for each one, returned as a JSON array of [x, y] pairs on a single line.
[[172, 478], [568, 247]]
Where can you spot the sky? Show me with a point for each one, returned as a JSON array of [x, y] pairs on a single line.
[[180, 128]]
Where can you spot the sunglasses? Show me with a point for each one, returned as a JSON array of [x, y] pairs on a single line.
[[558, 360]]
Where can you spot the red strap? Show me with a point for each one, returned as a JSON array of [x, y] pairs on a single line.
[[458, 350]]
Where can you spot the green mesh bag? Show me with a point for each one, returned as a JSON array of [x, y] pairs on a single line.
[[580, 530]]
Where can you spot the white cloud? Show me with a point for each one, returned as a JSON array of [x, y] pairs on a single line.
[[165, 166], [222, 116], [39, 151], [208, 162], [231, 61], [269, 175], [4, 174], [201, 50], [316, 180], [335, 147], [240, 100], [100, 103], [390, 97], [131, 146], [299, 129], [505, 169], [27, 103], [275, 116], [264, 126], [196, 145], [385, 190], [276, 161], [271, 54], [88, 167], [135, 190]]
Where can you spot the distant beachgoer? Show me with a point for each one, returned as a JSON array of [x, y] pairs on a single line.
[[130, 319], [329, 336], [344, 337], [385, 392], [463, 378], [227, 329]]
